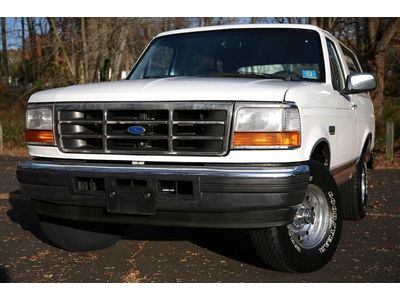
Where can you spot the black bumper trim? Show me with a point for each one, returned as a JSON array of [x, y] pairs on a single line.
[[226, 197], [247, 220]]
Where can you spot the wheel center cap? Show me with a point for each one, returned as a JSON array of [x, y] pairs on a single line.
[[309, 216]]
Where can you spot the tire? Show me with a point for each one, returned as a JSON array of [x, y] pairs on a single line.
[[80, 236], [354, 193], [309, 242]]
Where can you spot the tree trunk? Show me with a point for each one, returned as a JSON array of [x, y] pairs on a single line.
[[23, 65], [105, 70], [4, 50], [377, 66], [317, 21], [85, 51], [70, 66], [253, 20], [379, 37], [119, 53], [93, 47], [104, 45], [74, 56], [33, 48]]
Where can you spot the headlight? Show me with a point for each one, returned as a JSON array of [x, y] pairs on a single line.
[[262, 127], [39, 126], [39, 118]]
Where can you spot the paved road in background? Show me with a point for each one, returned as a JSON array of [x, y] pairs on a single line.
[[369, 250]]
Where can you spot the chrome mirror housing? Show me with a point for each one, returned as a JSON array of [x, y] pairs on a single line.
[[360, 83]]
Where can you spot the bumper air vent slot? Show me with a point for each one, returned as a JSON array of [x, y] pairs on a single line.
[[87, 184], [178, 188]]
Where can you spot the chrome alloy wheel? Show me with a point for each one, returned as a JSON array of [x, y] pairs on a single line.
[[364, 184], [312, 219]]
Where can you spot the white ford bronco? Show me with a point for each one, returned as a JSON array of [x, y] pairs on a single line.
[[267, 128]]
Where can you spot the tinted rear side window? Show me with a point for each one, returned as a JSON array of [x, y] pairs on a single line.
[[351, 61]]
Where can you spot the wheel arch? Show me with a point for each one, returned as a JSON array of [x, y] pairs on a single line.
[[321, 152], [366, 146], [365, 150]]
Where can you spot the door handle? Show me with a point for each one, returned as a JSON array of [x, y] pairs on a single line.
[[353, 106]]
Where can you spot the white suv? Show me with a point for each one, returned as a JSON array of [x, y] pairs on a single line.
[[261, 127]]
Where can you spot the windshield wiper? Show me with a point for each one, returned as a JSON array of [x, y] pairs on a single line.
[[159, 76], [284, 75], [230, 74], [248, 75]]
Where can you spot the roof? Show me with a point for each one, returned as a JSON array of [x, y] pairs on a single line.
[[240, 26]]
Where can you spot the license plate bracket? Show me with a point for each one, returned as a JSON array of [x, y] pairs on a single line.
[[135, 200]]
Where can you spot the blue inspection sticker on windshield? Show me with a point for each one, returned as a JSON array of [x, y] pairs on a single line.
[[309, 74]]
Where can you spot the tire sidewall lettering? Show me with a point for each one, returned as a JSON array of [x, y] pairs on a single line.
[[334, 216], [295, 245]]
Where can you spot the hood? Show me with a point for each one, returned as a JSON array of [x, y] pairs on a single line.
[[172, 89]]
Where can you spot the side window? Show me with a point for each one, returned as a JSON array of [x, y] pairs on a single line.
[[160, 63], [336, 68], [351, 61]]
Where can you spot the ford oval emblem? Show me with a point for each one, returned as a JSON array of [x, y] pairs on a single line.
[[136, 130]]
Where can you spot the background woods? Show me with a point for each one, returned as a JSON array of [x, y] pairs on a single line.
[[38, 53]]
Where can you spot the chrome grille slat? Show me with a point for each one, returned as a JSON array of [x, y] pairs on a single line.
[[204, 138], [172, 128], [149, 137], [199, 122], [81, 136], [137, 122], [83, 122]]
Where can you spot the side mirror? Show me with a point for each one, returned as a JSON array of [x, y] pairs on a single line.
[[360, 83]]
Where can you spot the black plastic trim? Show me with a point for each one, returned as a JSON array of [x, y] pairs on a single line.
[[219, 196], [250, 219]]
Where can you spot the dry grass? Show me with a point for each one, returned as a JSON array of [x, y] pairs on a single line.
[[20, 151], [380, 161], [12, 119]]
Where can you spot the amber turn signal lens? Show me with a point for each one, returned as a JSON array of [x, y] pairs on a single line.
[[39, 137], [266, 139]]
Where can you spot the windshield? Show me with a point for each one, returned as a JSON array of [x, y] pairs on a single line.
[[288, 54]]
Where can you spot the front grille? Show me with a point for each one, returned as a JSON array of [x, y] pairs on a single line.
[[179, 128]]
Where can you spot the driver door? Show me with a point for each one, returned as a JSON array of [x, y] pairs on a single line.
[[346, 126]]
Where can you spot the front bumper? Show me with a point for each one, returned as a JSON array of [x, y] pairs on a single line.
[[220, 196]]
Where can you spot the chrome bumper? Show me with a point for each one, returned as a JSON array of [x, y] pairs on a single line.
[[249, 172]]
